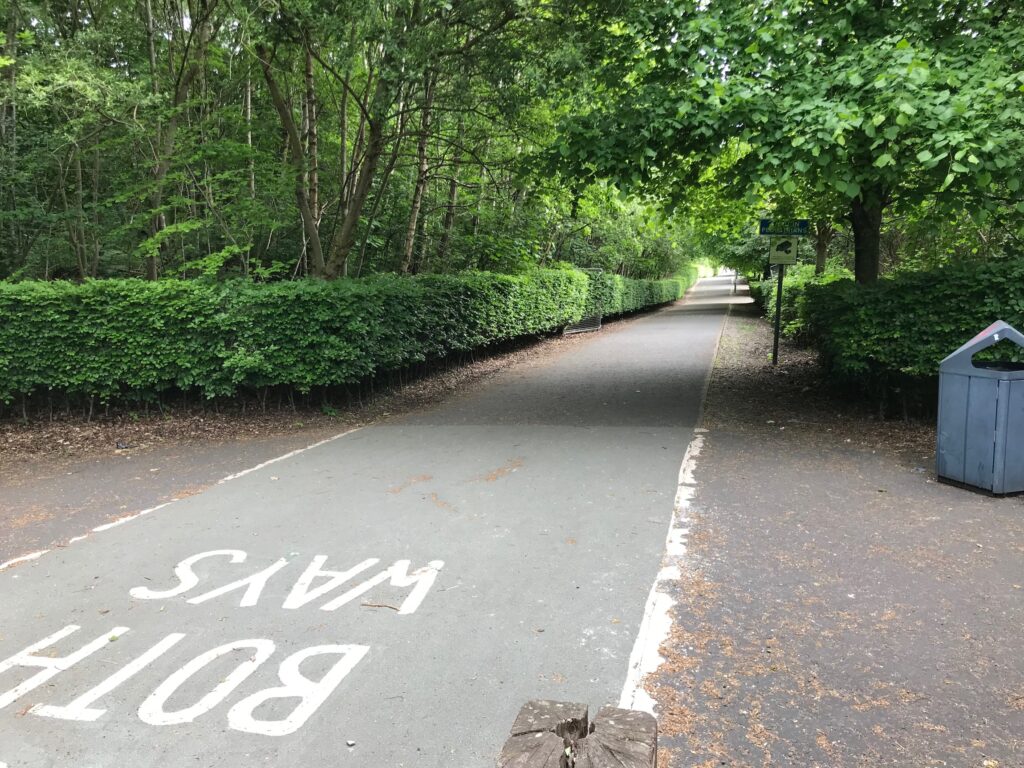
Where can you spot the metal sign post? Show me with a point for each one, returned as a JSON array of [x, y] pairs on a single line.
[[783, 247], [778, 315]]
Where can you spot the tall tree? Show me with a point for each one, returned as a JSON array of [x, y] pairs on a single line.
[[889, 103], [297, 153]]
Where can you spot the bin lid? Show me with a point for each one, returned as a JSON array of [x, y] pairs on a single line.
[[961, 360]]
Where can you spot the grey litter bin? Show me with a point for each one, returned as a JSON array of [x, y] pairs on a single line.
[[981, 416]]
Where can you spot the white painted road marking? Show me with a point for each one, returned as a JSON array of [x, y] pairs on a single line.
[[301, 593], [657, 621], [294, 684], [23, 559], [421, 580], [128, 518], [187, 578], [255, 652], [152, 710], [79, 709], [253, 586], [51, 665], [288, 455]]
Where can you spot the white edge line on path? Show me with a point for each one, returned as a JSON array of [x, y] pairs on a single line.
[[657, 620], [134, 515], [296, 452], [22, 559], [656, 624]]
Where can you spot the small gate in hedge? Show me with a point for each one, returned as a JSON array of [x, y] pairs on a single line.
[[591, 322]]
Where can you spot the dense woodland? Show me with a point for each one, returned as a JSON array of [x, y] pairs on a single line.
[[162, 138]]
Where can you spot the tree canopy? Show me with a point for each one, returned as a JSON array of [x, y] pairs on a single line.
[[290, 138], [842, 109]]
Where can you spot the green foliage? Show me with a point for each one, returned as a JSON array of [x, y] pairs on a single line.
[[894, 334], [855, 107], [908, 323], [794, 295], [140, 139], [618, 234], [131, 339], [611, 295]]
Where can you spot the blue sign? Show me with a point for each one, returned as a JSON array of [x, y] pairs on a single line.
[[786, 227]]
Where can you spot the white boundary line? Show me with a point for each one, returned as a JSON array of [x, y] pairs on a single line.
[[296, 452], [22, 559], [657, 621], [656, 624], [134, 515]]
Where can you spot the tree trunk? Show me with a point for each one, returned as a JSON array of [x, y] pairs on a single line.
[[346, 235], [312, 145], [7, 72], [250, 163], [351, 176], [94, 268], [866, 218], [343, 160], [480, 191], [247, 114], [8, 123], [309, 227], [72, 218], [421, 173], [165, 143], [453, 197], [823, 234], [157, 221], [396, 149], [343, 138], [83, 260]]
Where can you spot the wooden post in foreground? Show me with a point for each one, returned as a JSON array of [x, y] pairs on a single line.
[[554, 734]]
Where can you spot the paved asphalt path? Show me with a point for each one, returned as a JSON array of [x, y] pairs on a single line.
[[545, 493]]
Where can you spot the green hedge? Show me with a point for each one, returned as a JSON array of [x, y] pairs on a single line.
[[794, 291], [112, 339], [614, 295], [889, 338], [897, 331]]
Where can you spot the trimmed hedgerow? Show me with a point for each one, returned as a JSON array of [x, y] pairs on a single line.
[[794, 294], [896, 332], [114, 339], [613, 295]]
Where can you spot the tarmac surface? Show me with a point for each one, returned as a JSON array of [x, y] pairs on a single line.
[[387, 598], [837, 606]]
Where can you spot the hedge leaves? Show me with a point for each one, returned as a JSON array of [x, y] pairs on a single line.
[[114, 339]]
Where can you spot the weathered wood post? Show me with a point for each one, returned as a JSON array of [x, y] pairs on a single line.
[[556, 734]]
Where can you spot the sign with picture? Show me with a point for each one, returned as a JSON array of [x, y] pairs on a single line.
[[782, 250]]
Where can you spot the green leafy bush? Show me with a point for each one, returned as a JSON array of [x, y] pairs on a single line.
[[111, 339], [794, 291], [898, 331], [614, 295]]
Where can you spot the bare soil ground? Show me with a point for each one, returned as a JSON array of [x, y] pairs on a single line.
[[748, 394]]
